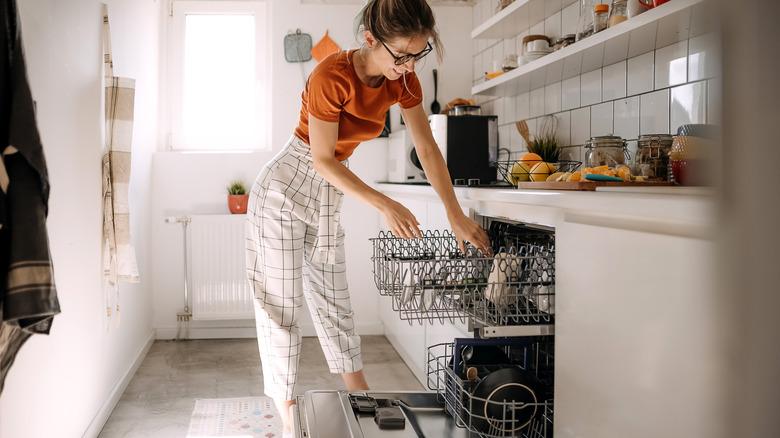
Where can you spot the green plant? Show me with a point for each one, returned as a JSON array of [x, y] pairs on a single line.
[[237, 188], [545, 144]]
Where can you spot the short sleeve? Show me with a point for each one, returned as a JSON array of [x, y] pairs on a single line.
[[327, 92], [411, 91]]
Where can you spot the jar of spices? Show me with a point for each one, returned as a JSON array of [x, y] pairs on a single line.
[[564, 41], [652, 156], [600, 15], [607, 150], [618, 12]]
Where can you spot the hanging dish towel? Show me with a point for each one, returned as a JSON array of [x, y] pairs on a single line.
[[119, 262], [28, 297]]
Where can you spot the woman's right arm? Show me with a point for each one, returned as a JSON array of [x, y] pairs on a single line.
[[323, 137]]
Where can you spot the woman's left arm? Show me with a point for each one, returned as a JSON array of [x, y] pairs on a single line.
[[439, 177]]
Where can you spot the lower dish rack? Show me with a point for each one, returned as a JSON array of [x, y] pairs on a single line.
[[502, 390], [429, 278]]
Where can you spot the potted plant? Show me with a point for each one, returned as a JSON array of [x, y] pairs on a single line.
[[237, 197]]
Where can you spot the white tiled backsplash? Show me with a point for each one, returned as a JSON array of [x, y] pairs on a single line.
[[652, 92]]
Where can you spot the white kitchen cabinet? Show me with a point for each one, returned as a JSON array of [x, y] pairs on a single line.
[[636, 331]]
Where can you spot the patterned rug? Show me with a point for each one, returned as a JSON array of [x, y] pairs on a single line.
[[246, 417]]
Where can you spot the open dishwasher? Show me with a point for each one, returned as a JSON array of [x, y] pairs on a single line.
[[498, 383]]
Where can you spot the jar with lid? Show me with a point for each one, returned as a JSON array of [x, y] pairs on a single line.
[[607, 150], [585, 23], [618, 12], [652, 156], [600, 15]]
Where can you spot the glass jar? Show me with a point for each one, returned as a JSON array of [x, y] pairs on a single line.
[[585, 23], [618, 12], [652, 156], [600, 15], [607, 150]]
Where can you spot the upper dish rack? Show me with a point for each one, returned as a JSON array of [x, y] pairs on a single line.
[[430, 279]]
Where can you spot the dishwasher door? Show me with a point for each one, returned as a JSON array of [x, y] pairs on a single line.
[[328, 414]]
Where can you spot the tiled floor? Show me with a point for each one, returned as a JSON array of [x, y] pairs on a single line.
[[159, 400]]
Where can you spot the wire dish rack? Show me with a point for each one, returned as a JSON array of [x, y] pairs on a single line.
[[430, 279], [497, 414], [524, 173]]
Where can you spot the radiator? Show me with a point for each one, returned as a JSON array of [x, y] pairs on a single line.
[[219, 286]]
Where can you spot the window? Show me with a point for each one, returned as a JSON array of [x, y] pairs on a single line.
[[218, 77]]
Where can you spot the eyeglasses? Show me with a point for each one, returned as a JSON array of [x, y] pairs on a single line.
[[403, 59]]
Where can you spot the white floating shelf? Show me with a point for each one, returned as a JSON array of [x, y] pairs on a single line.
[[656, 28], [517, 17]]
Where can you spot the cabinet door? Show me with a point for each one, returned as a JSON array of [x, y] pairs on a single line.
[[636, 334]]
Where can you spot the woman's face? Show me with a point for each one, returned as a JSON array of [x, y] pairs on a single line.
[[399, 47]]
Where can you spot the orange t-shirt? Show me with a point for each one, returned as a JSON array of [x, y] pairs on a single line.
[[334, 93]]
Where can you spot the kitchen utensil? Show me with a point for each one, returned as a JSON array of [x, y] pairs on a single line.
[[435, 107], [585, 22], [472, 374], [505, 401], [539, 45], [522, 128], [597, 177], [475, 351], [510, 62]]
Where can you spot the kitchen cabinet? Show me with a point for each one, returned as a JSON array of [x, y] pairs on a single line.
[[637, 330]]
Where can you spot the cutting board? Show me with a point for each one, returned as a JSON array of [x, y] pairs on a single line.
[[587, 185]]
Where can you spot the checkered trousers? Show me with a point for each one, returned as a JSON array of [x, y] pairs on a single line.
[[295, 250]]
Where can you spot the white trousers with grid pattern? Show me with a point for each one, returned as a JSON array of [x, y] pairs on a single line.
[[289, 205]]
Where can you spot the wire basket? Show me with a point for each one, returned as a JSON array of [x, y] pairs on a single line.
[[430, 279], [505, 167], [493, 417]]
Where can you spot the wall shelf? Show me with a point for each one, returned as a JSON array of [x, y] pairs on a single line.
[[521, 14], [656, 28]]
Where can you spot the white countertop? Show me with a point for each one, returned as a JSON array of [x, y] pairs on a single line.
[[689, 210]]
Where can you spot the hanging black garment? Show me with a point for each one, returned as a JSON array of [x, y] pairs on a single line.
[[28, 298]]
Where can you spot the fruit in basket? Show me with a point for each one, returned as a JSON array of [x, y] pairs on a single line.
[[574, 177], [541, 171], [530, 159], [520, 172]]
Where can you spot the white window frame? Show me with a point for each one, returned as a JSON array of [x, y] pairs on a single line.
[[178, 10]]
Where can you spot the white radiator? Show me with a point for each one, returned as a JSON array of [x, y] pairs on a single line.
[[219, 286]]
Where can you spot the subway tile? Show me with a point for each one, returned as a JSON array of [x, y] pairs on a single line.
[[510, 47], [642, 40], [537, 29], [590, 91], [570, 93], [654, 112], [627, 117], [476, 15], [499, 110], [671, 65], [688, 105], [552, 98], [510, 103], [580, 125], [640, 74], [703, 57], [523, 108], [504, 139], [563, 128], [569, 19], [614, 81], [571, 153], [601, 119], [516, 141], [714, 101], [552, 26], [537, 102]]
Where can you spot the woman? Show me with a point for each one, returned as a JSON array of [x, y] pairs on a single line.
[[295, 242]]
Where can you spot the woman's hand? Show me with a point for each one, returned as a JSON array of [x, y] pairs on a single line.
[[466, 229], [400, 220]]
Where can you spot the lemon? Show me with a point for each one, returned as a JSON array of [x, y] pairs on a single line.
[[541, 171], [520, 172]]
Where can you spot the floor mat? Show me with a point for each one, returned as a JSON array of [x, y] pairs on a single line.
[[235, 417]]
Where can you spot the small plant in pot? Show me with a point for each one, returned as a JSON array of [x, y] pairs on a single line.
[[237, 197]]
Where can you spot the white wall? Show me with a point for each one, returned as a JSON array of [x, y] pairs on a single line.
[[59, 383], [194, 182]]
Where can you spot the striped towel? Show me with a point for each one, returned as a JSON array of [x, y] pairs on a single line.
[[119, 261]]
